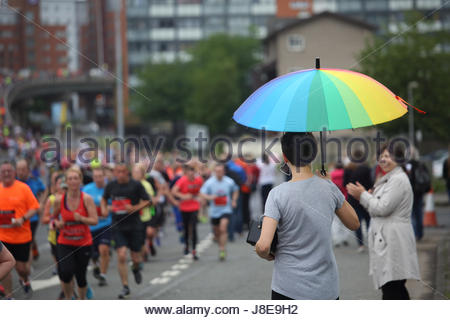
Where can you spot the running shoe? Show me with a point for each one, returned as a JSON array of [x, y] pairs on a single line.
[[89, 293], [26, 286], [194, 255], [137, 275], [186, 251], [222, 255], [102, 281], [125, 293], [2, 292], [96, 272]]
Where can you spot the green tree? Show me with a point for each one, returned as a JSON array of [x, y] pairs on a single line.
[[163, 91], [414, 56], [205, 90], [220, 78]]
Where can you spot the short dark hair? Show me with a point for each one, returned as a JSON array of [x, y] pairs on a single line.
[[300, 148], [396, 151], [12, 163]]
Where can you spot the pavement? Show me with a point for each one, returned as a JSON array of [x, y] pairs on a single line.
[[171, 275], [434, 256]]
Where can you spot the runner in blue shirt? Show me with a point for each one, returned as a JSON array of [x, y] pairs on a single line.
[[101, 233], [222, 193]]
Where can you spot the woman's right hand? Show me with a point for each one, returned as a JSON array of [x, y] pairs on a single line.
[[58, 224]]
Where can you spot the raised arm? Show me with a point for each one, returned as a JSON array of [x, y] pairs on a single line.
[[384, 205]]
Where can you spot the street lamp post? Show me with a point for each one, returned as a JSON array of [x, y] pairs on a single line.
[[411, 86], [119, 71]]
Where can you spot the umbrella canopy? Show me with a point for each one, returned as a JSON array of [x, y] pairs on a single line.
[[318, 99]]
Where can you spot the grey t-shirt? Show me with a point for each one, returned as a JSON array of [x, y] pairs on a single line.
[[305, 266]]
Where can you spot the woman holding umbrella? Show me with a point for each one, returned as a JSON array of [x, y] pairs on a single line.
[[303, 210], [392, 245], [312, 100]]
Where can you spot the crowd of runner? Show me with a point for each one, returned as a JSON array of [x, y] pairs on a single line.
[[90, 210]]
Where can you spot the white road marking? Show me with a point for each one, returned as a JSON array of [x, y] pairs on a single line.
[[159, 280], [180, 266], [183, 263], [44, 283], [170, 273], [185, 260]]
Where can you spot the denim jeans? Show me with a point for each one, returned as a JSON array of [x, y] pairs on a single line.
[[235, 220], [362, 215], [417, 217]]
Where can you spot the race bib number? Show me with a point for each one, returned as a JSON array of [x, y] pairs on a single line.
[[118, 206], [6, 218], [221, 201], [73, 230]]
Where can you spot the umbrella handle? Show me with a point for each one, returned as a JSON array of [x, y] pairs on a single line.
[[323, 172]]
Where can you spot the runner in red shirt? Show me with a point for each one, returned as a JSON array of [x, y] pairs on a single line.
[[187, 188], [76, 211]]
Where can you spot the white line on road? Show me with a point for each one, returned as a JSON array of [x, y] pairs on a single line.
[[182, 264], [170, 273], [44, 283], [159, 280]]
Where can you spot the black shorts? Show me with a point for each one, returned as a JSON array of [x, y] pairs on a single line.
[[216, 221], [54, 250], [134, 239], [158, 219], [33, 226], [20, 252], [102, 236]]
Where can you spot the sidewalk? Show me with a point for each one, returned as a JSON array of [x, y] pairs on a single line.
[[434, 257]]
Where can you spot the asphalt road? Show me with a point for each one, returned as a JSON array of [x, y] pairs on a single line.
[[171, 275]]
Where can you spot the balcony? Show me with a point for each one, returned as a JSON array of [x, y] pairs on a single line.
[[190, 10], [162, 11], [165, 34], [190, 34]]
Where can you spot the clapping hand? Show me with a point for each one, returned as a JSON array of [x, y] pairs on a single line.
[[355, 190]]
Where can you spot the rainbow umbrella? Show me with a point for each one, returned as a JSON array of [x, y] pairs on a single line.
[[320, 100]]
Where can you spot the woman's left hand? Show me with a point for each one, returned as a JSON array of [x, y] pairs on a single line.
[[268, 256], [355, 190]]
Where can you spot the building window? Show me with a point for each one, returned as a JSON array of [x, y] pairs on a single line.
[[29, 30], [350, 5], [295, 43], [60, 34], [29, 15], [377, 5], [6, 34], [165, 23], [163, 47], [30, 56], [60, 47]]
